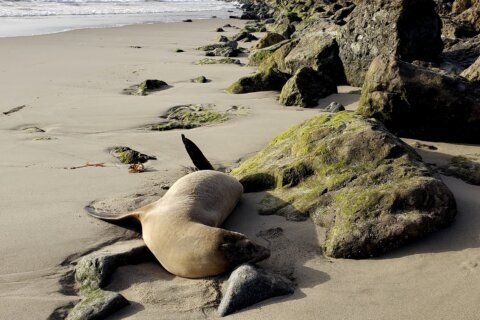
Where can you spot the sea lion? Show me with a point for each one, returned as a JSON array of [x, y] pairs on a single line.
[[182, 228]]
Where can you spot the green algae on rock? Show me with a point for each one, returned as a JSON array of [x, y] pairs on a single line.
[[268, 80], [218, 61], [189, 117], [368, 188], [129, 156], [146, 87], [466, 168]]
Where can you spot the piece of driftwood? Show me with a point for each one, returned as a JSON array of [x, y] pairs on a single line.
[[198, 159]]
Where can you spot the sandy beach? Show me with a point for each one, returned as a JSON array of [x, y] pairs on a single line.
[[71, 86]]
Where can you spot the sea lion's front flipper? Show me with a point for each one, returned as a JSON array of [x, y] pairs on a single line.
[[196, 155]]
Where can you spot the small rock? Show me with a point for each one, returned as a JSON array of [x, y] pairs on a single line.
[[248, 285], [179, 50], [222, 39], [200, 79], [33, 130], [334, 107], [209, 54], [187, 20], [146, 87], [220, 30], [424, 146]]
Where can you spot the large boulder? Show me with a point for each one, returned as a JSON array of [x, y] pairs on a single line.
[[319, 51], [369, 189], [414, 101], [306, 87], [409, 29], [468, 12]]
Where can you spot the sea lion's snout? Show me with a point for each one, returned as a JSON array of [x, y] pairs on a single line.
[[238, 249]]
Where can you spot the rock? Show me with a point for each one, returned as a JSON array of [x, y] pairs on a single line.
[[306, 87], [255, 26], [318, 51], [259, 55], [92, 273], [218, 61], [244, 36], [210, 54], [219, 30], [146, 87], [349, 174], [472, 73], [129, 156], [284, 27], [335, 107], [179, 51], [211, 47], [187, 20], [33, 130], [200, 79], [225, 52], [462, 53], [265, 80], [222, 39], [249, 285], [268, 40], [410, 30], [465, 168], [188, 117], [276, 59], [416, 102], [471, 16], [98, 305]]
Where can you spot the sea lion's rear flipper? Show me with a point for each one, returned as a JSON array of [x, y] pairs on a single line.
[[128, 220], [196, 155]]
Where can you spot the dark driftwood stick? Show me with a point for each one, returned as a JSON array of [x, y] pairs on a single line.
[[196, 155]]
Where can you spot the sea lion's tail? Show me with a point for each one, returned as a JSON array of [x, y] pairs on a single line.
[[198, 159]]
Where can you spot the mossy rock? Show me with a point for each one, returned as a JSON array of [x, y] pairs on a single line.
[[466, 168], [268, 40], [146, 87], [268, 80], [259, 55], [218, 61], [368, 188], [200, 79], [189, 117], [129, 156]]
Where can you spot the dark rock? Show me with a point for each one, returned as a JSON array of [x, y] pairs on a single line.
[[222, 39], [226, 52], [219, 30], [99, 305], [249, 285], [335, 107], [210, 54], [369, 189], [408, 29], [146, 87], [244, 36], [200, 79], [267, 80], [462, 52], [210, 47], [179, 51], [306, 87], [416, 102], [257, 56], [187, 20], [268, 40], [129, 156]]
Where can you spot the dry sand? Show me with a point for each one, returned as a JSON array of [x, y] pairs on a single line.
[[71, 84]]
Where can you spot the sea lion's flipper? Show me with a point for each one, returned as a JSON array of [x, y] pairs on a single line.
[[196, 155], [108, 216]]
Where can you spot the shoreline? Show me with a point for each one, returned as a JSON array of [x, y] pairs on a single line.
[[29, 26]]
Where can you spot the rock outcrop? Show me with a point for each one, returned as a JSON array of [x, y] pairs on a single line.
[[472, 73], [368, 188], [409, 29], [266, 80], [413, 101]]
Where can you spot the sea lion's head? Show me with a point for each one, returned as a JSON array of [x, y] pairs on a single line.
[[238, 249]]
